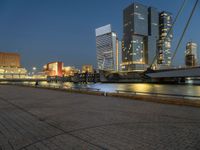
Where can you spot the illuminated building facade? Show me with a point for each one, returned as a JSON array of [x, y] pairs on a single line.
[[9, 59], [12, 73], [165, 40], [191, 56], [87, 68], [54, 69], [69, 71], [139, 45], [10, 67], [107, 49]]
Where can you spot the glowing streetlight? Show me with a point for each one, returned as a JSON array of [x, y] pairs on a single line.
[[34, 68]]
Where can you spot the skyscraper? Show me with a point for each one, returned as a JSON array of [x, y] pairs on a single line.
[[139, 46], [119, 56], [165, 39], [153, 37], [107, 49], [191, 56]]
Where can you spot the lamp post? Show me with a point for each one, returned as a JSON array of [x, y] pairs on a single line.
[[34, 68], [33, 71]]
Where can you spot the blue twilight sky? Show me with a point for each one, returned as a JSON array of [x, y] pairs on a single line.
[[50, 30]]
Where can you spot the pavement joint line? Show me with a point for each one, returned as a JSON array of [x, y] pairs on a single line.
[[69, 132], [57, 145], [82, 129], [64, 132], [14, 127], [87, 128], [180, 136], [42, 139], [25, 130], [11, 145]]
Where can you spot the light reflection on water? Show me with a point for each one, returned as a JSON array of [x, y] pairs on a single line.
[[192, 90], [139, 87], [153, 88]]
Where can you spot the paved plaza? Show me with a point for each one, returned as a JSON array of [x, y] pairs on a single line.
[[39, 119]]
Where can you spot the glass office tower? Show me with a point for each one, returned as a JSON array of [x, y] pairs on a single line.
[[165, 40], [107, 49], [191, 56], [139, 46], [153, 37]]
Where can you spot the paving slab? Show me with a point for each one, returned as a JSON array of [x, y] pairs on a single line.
[[39, 119]]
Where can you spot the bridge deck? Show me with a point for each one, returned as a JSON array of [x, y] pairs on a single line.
[[175, 73]]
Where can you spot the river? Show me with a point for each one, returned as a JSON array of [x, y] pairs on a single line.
[[192, 90]]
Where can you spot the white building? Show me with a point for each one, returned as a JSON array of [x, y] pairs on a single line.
[[107, 46]]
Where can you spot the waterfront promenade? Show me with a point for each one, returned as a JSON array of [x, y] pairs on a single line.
[[39, 119]]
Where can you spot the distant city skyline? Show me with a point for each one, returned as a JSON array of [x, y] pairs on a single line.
[[43, 31]]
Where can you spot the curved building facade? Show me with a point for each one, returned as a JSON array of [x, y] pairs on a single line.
[[107, 49]]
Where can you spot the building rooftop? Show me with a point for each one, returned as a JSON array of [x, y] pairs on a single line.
[[103, 30]]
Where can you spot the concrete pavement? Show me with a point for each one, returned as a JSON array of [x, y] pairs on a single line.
[[32, 119]]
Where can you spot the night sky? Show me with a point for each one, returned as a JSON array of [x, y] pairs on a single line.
[[64, 30]]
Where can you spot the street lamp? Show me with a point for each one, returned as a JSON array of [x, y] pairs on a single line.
[[33, 71], [34, 68]]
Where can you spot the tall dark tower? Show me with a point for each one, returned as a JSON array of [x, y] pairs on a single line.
[[140, 35], [165, 40]]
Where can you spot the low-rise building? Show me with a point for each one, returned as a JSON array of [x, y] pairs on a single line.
[[10, 67], [54, 69], [9, 59], [69, 71], [87, 68], [12, 73]]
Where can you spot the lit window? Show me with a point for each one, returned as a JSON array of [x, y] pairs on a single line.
[[140, 16]]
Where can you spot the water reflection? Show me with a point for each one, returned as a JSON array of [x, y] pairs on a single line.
[[153, 88], [135, 87]]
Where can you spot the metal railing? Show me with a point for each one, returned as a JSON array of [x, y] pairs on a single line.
[[134, 93], [159, 94], [54, 86], [85, 89]]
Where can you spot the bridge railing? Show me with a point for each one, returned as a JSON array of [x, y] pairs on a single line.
[[159, 94]]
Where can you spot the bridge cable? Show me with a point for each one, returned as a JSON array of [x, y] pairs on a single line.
[[185, 29], [175, 20]]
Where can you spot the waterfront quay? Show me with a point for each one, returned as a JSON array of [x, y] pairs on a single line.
[[33, 118]]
